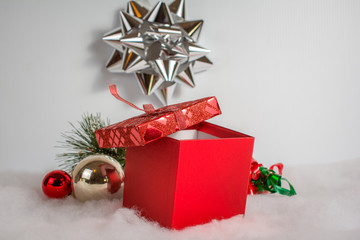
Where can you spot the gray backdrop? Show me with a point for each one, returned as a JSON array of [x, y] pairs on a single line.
[[285, 71]]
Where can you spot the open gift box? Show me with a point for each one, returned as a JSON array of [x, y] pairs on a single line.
[[185, 178]]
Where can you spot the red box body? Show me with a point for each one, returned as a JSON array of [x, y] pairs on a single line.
[[181, 183]]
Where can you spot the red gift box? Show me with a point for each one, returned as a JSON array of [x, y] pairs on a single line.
[[179, 180], [181, 183]]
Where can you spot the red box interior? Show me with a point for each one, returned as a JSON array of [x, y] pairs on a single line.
[[181, 183]]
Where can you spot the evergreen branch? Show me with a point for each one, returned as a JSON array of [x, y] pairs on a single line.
[[81, 142]]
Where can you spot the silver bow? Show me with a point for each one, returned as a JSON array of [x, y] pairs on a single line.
[[159, 46]]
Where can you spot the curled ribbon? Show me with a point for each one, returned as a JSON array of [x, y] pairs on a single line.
[[150, 110], [267, 180]]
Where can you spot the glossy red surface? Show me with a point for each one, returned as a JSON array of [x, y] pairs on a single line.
[[57, 184], [181, 183]]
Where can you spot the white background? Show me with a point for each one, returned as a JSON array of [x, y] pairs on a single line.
[[285, 71]]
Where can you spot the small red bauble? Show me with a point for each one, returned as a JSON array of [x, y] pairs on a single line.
[[57, 184]]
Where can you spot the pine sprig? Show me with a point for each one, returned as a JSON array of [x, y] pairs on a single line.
[[81, 142]]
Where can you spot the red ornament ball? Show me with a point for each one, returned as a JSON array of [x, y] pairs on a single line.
[[57, 184]]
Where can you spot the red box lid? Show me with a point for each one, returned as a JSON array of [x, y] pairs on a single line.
[[148, 127]]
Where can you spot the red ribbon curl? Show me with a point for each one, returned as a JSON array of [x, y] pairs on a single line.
[[150, 110]]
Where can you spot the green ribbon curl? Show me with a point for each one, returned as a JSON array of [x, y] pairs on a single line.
[[270, 181]]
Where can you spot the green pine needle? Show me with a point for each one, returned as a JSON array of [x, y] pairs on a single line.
[[81, 142]]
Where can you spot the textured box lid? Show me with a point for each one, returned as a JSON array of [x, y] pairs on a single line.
[[155, 124]]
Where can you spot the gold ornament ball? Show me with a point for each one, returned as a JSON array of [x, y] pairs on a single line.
[[97, 177]]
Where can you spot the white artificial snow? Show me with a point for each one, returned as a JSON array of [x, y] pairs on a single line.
[[327, 207]]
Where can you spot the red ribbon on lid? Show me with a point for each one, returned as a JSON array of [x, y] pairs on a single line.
[[150, 110]]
